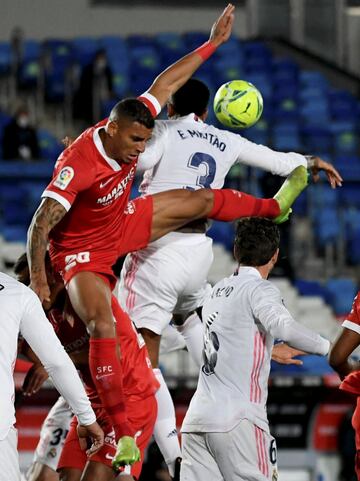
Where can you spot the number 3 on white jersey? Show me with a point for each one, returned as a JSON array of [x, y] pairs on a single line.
[[200, 158]]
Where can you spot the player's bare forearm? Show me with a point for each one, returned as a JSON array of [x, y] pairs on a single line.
[[45, 218], [171, 79]]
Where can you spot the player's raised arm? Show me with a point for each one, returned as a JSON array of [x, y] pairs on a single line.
[[177, 74], [49, 213]]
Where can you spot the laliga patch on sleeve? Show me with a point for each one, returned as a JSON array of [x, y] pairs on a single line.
[[64, 177]]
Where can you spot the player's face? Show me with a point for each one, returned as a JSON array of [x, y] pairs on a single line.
[[129, 140]]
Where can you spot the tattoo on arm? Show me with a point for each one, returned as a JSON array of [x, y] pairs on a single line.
[[45, 218]]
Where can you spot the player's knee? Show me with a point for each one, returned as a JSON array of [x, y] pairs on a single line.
[[100, 328], [44, 474], [205, 199]]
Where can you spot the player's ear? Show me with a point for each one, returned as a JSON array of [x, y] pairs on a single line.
[[111, 128], [275, 257]]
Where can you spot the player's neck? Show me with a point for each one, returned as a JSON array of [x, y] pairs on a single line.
[[106, 142]]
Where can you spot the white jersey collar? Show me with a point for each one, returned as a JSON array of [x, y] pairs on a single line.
[[99, 145], [190, 117], [248, 270]]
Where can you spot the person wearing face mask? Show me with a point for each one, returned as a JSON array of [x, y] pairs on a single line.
[[95, 86], [20, 138]]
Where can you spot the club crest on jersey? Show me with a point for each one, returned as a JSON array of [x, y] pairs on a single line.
[[130, 208], [64, 177]]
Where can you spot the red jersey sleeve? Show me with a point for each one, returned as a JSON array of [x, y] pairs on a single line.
[[151, 103], [352, 320], [73, 173]]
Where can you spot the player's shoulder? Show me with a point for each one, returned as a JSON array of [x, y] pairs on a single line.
[[12, 287], [7, 281]]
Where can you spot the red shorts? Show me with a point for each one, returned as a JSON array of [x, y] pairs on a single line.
[[142, 416], [134, 235]]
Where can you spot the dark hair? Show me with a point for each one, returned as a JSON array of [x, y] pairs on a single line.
[[21, 267], [193, 96], [133, 110], [256, 241]]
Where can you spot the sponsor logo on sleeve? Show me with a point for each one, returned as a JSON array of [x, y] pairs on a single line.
[[64, 177]]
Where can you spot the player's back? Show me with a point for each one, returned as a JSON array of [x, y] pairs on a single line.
[[237, 350], [14, 299], [190, 154]]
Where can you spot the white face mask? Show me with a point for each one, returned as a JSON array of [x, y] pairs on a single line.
[[23, 120]]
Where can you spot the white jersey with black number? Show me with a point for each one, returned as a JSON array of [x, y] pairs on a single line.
[[21, 311], [188, 153], [241, 319]]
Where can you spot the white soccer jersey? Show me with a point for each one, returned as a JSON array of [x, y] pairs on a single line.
[[188, 153], [241, 319], [21, 311]]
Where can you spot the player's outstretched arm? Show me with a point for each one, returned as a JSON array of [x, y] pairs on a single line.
[[177, 74], [316, 164], [49, 213]]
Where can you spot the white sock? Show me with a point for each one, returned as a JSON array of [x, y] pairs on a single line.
[[193, 332], [165, 432]]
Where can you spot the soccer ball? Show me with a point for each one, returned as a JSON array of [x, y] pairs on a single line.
[[238, 104]]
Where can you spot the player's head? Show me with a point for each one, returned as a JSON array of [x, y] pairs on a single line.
[[256, 242], [129, 126], [192, 97], [56, 285]]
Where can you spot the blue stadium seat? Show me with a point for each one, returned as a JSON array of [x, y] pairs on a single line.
[[171, 45], [345, 137], [327, 226], [310, 288], [84, 49], [14, 233], [317, 138], [223, 233], [342, 292], [310, 78], [50, 147], [194, 39], [258, 133], [6, 58]]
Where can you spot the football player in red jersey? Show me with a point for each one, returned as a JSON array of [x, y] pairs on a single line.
[[139, 384], [87, 218], [348, 369]]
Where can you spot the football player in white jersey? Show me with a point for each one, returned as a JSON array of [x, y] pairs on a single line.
[[225, 431], [21, 312], [170, 275]]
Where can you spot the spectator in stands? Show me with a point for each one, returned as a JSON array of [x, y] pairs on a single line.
[[20, 138], [95, 86]]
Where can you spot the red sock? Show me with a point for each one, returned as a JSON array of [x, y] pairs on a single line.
[[232, 204], [106, 372]]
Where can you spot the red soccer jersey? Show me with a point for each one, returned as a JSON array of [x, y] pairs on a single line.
[[352, 320], [139, 381], [94, 189]]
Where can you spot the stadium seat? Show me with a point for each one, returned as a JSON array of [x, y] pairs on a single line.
[[310, 288], [327, 226], [317, 138], [84, 50], [14, 233], [6, 58], [310, 78], [341, 294], [50, 147]]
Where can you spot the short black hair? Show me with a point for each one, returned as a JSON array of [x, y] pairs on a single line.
[[193, 96], [21, 267], [256, 241], [133, 110]]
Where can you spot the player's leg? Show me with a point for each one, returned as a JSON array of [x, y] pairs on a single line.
[[173, 209], [90, 296], [244, 453], [198, 463], [9, 458], [70, 474], [52, 438]]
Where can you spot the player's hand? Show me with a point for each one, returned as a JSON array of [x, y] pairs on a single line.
[[34, 379], [333, 176], [42, 290], [284, 354], [95, 433], [67, 141], [221, 30], [127, 453]]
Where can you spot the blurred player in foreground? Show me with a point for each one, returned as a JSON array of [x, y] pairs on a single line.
[[225, 431], [21, 312], [140, 386], [348, 369], [170, 275], [87, 218]]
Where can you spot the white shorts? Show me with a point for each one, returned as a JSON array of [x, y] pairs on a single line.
[[53, 433], [9, 457], [246, 453], [169, 276]]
